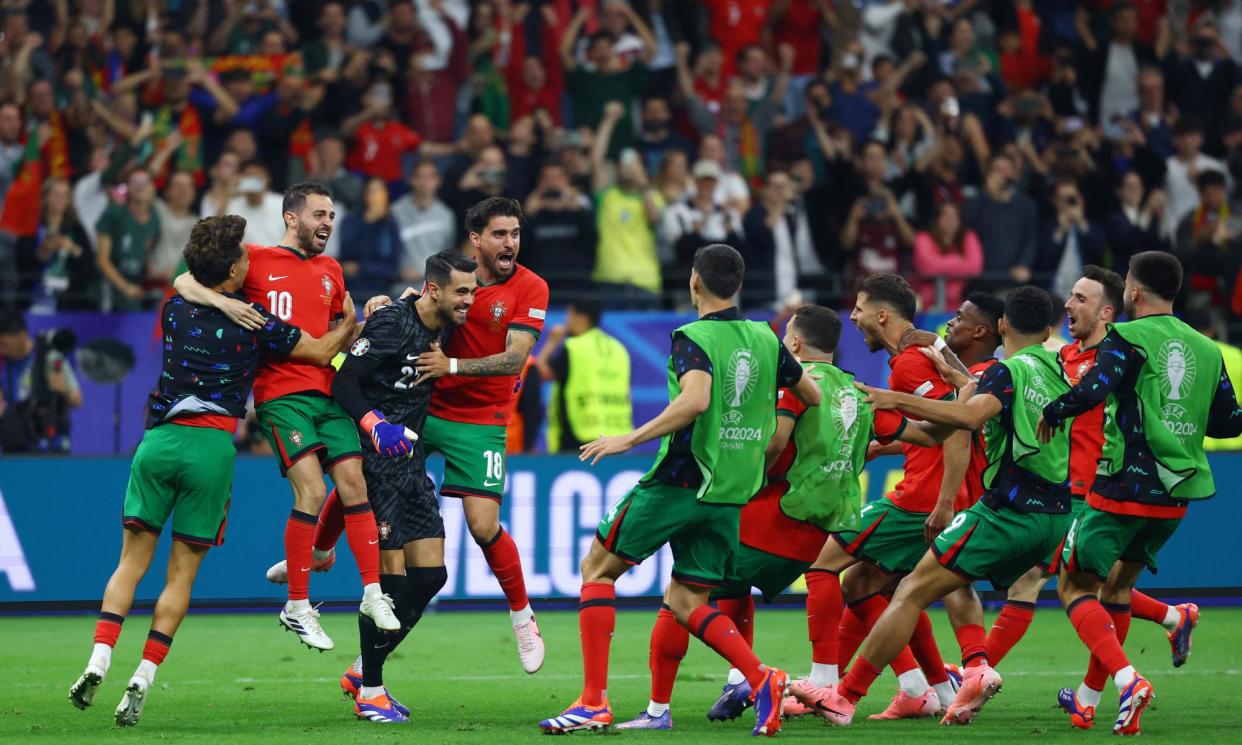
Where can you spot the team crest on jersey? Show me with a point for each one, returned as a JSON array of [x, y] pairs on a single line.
[[385, 530], [360, 347], [327, 289], [498, 312], [1083, 368], [296, 438]]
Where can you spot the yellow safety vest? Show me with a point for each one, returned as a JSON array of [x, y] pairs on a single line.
[[596, 393], [1233, 365]]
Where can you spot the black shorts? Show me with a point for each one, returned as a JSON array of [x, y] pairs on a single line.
[[403, 498]]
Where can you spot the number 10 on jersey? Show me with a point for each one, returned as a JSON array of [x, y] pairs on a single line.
[[280, 304]]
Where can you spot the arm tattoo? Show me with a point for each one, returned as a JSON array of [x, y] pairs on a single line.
[[509, 362]]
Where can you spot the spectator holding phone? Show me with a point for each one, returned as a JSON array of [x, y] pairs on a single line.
[[876, 232]]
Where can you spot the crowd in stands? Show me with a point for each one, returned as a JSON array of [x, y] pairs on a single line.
[[960, 142]]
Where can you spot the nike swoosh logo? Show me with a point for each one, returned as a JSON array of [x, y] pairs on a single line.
[[271, 278], [491, 483], [411, 357], [372, 543], [306, 569]]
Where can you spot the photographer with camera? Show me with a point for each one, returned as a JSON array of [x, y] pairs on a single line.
[[1068, 241], [876, 232], [38, 388]]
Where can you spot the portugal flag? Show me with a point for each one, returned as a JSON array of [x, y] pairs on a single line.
[[21, 205]]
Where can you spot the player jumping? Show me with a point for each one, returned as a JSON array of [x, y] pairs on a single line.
[[1164, 387], [724, 374], [378, 386], [295, 410], [183, 467]]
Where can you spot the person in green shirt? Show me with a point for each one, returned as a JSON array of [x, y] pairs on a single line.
[[125, 236], [723, 376], [1021, 517]]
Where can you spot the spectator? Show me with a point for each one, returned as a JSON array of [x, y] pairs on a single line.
[[1201, 84], [380, 141], [735, 24], [627, 264], [426, 225], [262, 207], [10, 144], [1004, 220], [223, 187], [1151, 117], [177, 219], [1069, 241], [38, 388], [1112, 70], [799, 23], [125, 235], [329, 170], [63, 254], [590, 373], [1182, 169], [656, 137], [698, 221], [948, 255], [371, 248], [673, 180], [431, 87], [561, 223], [731, 190], [876, 232], [1137, 224], [853, 106], [90, 198], [324, 56], [1204, 237], [536, 82], [781, 255]]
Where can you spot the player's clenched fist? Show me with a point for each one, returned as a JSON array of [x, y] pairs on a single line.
[[390, 440]]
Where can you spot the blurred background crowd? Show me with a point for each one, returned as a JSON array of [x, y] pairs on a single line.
[[959, 142]]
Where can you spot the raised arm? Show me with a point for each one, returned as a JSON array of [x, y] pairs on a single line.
[[571, 37], [613, 111]]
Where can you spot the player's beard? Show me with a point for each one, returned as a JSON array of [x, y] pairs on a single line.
[[306, 240]]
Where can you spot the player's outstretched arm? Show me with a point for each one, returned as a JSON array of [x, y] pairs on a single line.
[[238, 311], [695, 397], [320, 351], [1113, 361], [970, 413], [518, 343]]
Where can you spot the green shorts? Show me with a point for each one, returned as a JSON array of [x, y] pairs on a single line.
[[999, 545], [474, 457], [1052, 563], [299, 424], [703, 536], [887, 536], [1099, 539], [770, 573], [186, 472]]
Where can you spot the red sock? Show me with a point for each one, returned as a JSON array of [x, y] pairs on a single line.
[[973, 641], [597, 619], [861, 675], [856, 623], [823, 614], [719, 633], [299, 539], [331, 523], [1008, 629], [1097, 674], [1147, 608], [741, 611], [108, 628], [502, 556], [363, 537], [1096, 629], [156, 648], [927, 652], [669, 642]]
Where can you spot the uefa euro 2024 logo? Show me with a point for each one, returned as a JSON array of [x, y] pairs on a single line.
[[1178, 363], [845, 410], [740, 379]]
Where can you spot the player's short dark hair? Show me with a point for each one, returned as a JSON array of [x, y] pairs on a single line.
[[441, 265], [1029, 310], [1114, 286], [13, 323], [991, 309], [295, 196], [478, 216], [1158, 271], [720, 267], [591, 307], [818, 326], [891, 290], [215, 245]]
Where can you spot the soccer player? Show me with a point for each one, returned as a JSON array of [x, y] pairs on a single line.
[[1095, 301], [378, 386], [1164, 388], [183, 467], [724, 374], [478, 373], [294, 407], [894, 531], [1021, 517], [816, 456]]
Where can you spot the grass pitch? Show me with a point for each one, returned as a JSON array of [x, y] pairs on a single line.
[[238, 678]]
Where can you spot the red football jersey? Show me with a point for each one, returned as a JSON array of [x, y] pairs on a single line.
[[1087, 430], [306, 292], [377, 151], [518, 303], [763, 525], [972, 487], [913, 373]]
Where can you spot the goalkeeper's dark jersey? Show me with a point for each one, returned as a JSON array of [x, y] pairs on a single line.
[[379, 373]]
